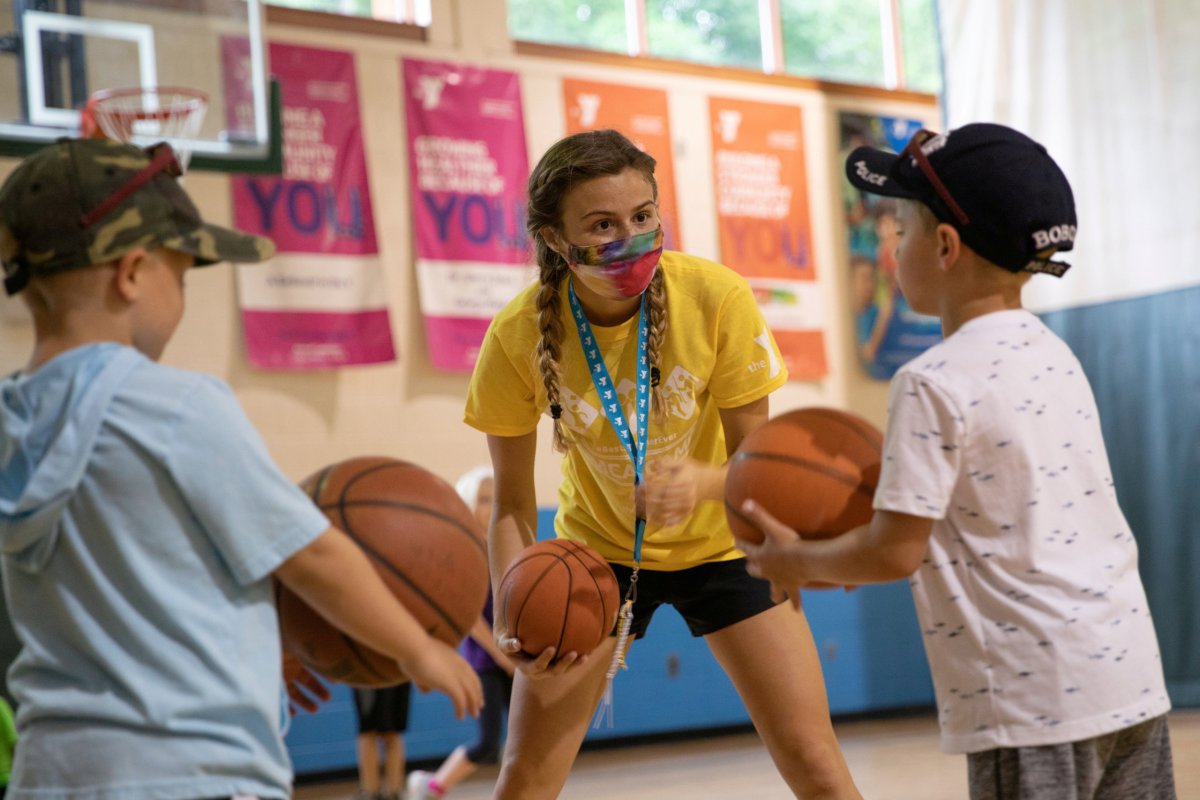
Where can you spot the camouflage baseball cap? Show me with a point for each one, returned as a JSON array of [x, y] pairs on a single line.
[[88, 201]]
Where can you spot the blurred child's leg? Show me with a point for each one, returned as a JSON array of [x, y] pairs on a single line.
[[497, 688], [393, 763], [773, 663], [368, 764]]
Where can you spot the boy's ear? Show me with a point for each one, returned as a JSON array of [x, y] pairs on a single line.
[[949, 246], [129, 270]]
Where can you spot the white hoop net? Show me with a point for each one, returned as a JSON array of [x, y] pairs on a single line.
[[148, 115]]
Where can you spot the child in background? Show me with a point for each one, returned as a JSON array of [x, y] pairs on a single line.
[[141, 517], [495, 671], [996, 497], [382, 720]]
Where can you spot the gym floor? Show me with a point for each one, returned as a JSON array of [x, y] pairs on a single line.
[[891, 759]]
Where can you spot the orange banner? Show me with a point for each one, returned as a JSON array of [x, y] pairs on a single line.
[[640, 114], [763, 222]]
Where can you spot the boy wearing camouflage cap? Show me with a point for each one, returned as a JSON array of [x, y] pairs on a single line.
[[141, 518], [996, 498]]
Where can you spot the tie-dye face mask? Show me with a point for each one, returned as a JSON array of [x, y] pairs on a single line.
[[621, 269]]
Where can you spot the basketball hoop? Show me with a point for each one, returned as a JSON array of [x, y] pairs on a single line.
[[147, 115]]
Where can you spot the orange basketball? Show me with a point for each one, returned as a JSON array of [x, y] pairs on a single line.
[[426, 545], [813, 469], [561, 594]]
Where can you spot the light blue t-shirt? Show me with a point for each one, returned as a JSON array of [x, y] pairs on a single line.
[[140, 520]]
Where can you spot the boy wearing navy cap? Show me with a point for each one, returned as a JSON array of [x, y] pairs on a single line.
[[996, 498]]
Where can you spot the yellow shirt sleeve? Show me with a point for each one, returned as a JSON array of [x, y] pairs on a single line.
[[501, 399], [748, 364]]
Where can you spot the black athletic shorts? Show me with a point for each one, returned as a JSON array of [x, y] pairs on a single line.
[[382, 710], [709, 596]]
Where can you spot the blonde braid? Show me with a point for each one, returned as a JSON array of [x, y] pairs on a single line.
[[549, 348], [654, 344]]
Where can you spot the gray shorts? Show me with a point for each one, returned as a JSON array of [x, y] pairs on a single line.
[[1130, 764]]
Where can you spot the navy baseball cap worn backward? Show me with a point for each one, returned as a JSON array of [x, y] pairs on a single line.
[[1000, 190], [79, 202]]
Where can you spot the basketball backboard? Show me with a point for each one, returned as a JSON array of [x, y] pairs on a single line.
[[55, 53]]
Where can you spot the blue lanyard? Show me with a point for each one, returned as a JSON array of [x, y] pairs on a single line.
[[610, 403]]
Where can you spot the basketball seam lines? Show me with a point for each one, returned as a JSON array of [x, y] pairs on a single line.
[[361, 651], [515, 628], [578, 554], [318, 484], [752, 524], [859, 427], [815, 466], [342, 504]]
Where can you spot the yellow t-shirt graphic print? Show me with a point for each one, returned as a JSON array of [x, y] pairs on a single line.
[[718, 354]]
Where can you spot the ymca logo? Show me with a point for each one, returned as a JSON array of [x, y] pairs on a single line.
[[773, 366], [429, 88], [589, 108], [1054, 235], [728, 123]]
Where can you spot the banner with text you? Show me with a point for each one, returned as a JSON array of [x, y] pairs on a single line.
[[762, 217], [640, 114], [321, 302], [467, 166]]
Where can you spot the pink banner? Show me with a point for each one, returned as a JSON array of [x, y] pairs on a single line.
[[320, 303], [468, 166]]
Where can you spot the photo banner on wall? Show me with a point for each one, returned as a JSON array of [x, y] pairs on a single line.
[[887, 332], [467, 171], [640, 114], [321, 302], [763, 222]]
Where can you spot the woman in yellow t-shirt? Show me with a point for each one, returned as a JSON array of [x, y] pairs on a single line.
[[654, 366]]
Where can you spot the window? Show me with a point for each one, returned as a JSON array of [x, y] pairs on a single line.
[[725, 32], [922, 45], [594, 24], [889, 43], [839, 40], [414, 12]]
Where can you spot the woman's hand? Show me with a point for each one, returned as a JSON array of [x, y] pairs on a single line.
[[541, 666]]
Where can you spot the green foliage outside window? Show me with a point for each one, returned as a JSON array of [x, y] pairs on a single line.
[[922, 47], [838, 40], [722, 32], [594, 24]]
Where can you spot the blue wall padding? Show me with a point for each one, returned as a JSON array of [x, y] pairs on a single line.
[[1143, 359], [870, 648]]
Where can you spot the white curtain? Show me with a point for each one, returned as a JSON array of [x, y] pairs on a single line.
[[1112, 89]]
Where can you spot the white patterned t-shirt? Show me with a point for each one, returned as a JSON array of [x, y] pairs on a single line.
[[1034, 617]]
